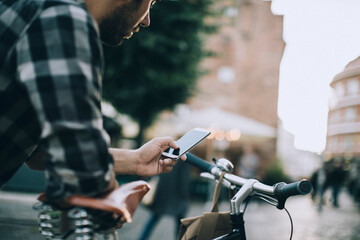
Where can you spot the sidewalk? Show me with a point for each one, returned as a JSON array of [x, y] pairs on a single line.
[[19, 221]]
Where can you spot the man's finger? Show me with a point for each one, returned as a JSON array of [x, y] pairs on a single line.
[[183, 157], [167, 162], [167, 169]]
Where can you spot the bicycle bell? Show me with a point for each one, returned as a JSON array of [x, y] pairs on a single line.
[[224, 165]]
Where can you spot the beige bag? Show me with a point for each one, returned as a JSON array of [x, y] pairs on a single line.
[[208, 226]]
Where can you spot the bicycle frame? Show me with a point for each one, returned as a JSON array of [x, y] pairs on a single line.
[[238, 233], [237, 214]]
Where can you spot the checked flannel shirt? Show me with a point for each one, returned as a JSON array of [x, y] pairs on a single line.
[[50, 83]]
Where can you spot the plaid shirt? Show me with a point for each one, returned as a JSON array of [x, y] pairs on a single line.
[[50, 84]]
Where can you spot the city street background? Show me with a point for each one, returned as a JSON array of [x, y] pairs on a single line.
[[19, 221]]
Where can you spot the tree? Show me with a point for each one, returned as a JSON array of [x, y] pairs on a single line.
[[159, 66]]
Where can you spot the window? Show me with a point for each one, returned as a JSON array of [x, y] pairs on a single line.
[[226, 74], [350, 114], [348, 143], [231, 12], [357, 141], [352, 86], [335, 117], [339, 89], [333, 142]]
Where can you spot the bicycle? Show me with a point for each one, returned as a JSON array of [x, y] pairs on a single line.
[[244, 190], [87, 218]]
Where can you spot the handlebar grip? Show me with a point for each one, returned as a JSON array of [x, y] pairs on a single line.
[[283, 191], [199, 163], [297, 188]]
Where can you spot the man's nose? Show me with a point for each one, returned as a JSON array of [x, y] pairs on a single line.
[[146, 20]]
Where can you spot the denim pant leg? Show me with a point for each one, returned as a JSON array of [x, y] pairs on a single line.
[[150, 226]]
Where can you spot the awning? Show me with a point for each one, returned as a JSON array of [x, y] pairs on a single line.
[[211, 118]]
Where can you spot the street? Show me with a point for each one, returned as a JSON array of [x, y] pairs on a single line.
[[262, 221]]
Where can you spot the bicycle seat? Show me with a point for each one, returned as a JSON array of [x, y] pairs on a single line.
[[122, 200]]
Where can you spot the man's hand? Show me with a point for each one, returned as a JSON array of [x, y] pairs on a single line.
[[151, 162], [147, 160]]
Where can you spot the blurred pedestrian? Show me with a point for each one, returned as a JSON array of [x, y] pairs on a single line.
[[336, 179], [319, 182], [248, 163], [171, 198], [354, 180]]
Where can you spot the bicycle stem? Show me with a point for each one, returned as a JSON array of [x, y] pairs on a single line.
[[241, 195]]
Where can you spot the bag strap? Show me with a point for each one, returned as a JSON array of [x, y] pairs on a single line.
[[215, 207]]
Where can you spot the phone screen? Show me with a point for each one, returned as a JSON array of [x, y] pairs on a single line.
[[187, 142]]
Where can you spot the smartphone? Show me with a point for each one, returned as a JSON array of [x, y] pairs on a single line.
[[186, 143]]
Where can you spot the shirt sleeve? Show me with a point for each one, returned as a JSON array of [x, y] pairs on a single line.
[[60, 63]]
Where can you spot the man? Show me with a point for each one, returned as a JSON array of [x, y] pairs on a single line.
[[50, 91]]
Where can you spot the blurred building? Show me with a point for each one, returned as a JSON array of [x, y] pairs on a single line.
[[297, 163], [239, 93], [343, 136], [244, 76]]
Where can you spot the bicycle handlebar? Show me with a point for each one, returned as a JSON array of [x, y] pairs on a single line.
[[199, 163], [281, 191]]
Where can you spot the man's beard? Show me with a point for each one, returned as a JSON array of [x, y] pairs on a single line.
[[117, 26]]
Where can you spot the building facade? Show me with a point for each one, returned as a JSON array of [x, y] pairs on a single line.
[[244, 75], [343, 136]]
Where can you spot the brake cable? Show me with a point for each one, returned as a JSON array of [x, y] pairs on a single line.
[[273, 202]]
